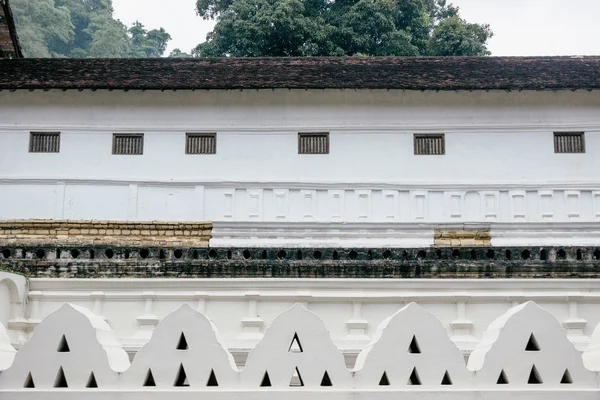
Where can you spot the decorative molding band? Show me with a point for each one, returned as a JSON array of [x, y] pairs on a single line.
[[300, 184], [403, 235], [273, 129]]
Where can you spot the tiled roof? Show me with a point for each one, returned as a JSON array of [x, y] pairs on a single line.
[[410, 73]]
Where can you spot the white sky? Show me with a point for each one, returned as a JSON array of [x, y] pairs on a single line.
[[521, 27]]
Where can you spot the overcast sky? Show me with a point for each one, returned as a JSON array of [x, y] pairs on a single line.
[[521, 27]]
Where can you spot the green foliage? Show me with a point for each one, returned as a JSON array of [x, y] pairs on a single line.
[[254, 28], [82, 28]]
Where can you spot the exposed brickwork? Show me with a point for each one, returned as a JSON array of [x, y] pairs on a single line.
[[448, 263], [463, 238], [113, 233]]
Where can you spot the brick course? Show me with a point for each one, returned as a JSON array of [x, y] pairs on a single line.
[[117, 233]]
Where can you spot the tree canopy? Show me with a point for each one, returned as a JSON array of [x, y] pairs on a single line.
[[253, 28], [257, 28], [82, 28]]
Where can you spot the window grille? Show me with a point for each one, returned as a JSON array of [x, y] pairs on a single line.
[[313, 143], [44, 142], [128, 143], [430, 144], [569, 142], [201, 143]]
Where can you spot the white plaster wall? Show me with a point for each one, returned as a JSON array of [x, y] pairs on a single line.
[[351, 310], [499, 164], [494, 136]]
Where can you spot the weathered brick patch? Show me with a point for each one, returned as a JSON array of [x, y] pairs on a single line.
[[117, 233], [160, 262], [462, 238]]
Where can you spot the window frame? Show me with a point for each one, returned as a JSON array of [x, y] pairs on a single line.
[[114, 148], [189, 135], [38, 134], [302, 135], [429, 135], [556, 134]]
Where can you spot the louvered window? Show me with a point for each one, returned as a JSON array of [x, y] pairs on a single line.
[[44, 142], [569, 142], [128, 143], [201, 143], [313, 143], [430, 144]]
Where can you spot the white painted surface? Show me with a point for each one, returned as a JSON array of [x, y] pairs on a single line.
[[499, 165], [299, 341], [351, 309]]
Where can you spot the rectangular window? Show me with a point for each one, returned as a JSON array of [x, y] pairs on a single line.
[[201, 143], [44, 142], [313, 143], [130, 143], [430, 144], [569, 142]]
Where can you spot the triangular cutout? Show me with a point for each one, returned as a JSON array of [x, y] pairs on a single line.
[[149, 381], [566, 378], [212, 379], [534, 377], [326, 381], [502, 379], [295, 346], [181, 380], [414, 378], [91, 383], [60, 381], [266, 381], [384, 381], [29, 382], [532, 344], [414, 346], [182, 344], [446, 379], [63, 346], [296, 380]]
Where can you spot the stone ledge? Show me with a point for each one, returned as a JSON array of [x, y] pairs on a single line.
[[478, 238]]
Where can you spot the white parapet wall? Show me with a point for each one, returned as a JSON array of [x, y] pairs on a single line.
[[242, 309], [525, 355]]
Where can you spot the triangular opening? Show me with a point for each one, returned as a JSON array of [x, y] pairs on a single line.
[[149, 381], [295, 346], [212, 379], [181, 379], [532, 344], [566, 378], [60, 381], [266, 381], [414, 346], [296, 380], [29, 382], [326, 381], [414, 378], [91, 383], [534, 377], [182, 344], [446, 379], [502, 379], [384, 381], [63, 346]]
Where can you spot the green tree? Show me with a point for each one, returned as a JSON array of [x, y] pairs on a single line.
[[43, 28], [82, 28], [252, 28], [146, 43]]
